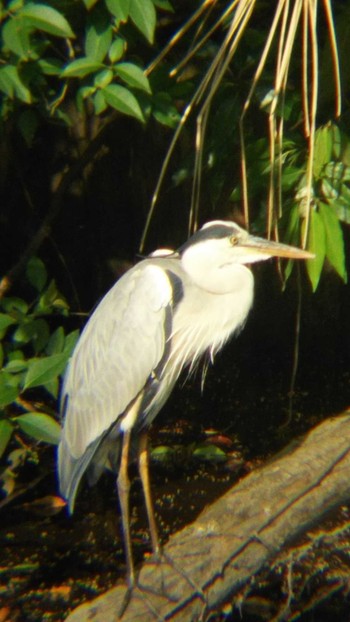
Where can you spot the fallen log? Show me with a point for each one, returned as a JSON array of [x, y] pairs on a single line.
[[207, 562]]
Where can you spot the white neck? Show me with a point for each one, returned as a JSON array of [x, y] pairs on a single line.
[[215, 270]]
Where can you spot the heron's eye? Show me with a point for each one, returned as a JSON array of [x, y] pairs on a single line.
[[234, 239]]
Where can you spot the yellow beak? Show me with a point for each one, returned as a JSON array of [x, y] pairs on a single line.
[[274, 249]]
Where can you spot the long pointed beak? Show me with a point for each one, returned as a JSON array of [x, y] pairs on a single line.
[[274, 249]]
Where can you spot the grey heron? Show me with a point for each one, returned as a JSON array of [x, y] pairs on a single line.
[[160, 316]]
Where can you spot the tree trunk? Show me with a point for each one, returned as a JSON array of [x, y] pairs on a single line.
[[206, 563]]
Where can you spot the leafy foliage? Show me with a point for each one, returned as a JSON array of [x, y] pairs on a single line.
[[325, 236], [50, 50], [330, 193], [61, 61], [33, 355], [57, 60]]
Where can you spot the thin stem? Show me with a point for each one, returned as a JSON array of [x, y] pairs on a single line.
[[334, 50], [304, 75], [179, 34], [200, 43], [312, 11], [296, 351]]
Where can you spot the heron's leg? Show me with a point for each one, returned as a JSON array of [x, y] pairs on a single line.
[[123, 484], [143, 466]]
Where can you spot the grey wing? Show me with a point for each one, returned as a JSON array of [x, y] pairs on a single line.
[[121, 345]]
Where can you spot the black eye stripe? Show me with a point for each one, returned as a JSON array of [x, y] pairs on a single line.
[[209, 233]]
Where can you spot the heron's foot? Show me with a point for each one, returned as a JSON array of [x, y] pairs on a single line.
[[158, 582], [138, 592], [168, 581], [126, 601]]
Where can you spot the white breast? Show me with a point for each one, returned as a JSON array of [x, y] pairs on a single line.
[[204, 321]]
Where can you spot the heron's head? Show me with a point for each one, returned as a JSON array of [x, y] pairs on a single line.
[[215, 255]]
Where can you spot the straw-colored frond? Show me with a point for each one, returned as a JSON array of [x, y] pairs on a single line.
[[292, 22]]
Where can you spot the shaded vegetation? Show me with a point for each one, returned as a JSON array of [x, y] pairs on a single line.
[[93, 93]]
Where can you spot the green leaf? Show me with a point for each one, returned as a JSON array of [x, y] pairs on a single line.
[[337, 172], [25, 331], [16, 355], [335, 252], [8, 392], [163, 453], [336, 141], [6, 430], [8, 379], [44, 370], [16, 366], [165, 5], [143, 14], [40, 426], [52, 387], [46, 18], [316, 245], [342, 208], [12, 85], [145, 104], [80, 68], [98, 37], [5, 322], [290, 177], [13, 304], [36, 273], [16, 38], [133, 76], [50, 66], [117, 49], [123, 100], [35, 331], [323, 148], [100, 104], [119, 8], [7, 482], [89, 3], [328, 190], [164, 110], [51, 300], [70, 342], [14, 5], [56, 342], [103, 78], [17, 457], [209, 453]]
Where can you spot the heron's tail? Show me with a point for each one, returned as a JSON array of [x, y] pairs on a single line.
[[71, 470]]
